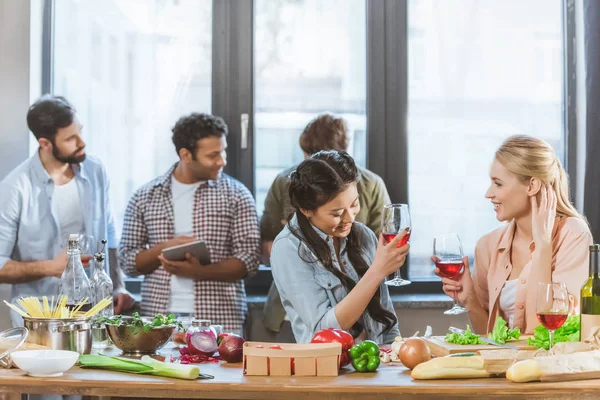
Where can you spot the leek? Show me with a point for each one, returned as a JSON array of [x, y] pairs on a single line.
[[171, 370], [146, 365]]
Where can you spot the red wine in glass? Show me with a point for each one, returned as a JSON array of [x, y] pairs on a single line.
[[552, 320], [388, 237], [448, 258], [449, 269], [552, 307], [395, 219]]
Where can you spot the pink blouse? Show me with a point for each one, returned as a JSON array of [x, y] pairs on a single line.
[[570, 253]]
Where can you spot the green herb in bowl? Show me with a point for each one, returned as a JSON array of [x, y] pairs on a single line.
[[144, 323]]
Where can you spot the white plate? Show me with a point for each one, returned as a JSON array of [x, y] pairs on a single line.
[[44, 363]]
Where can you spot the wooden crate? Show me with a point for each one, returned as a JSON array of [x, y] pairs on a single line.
[[290, 359]]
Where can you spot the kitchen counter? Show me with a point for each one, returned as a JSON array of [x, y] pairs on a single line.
[[390, 381]]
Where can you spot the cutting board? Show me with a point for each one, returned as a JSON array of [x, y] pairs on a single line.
[[441, 348]]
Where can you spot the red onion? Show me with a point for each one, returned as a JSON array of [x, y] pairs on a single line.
[[203, 343], [231, 348]]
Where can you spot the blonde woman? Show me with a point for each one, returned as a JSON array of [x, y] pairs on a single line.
[[545, 239]]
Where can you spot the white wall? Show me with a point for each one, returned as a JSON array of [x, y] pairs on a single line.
[[14, 83], [14, 96]]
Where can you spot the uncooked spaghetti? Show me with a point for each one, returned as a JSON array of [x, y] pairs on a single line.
[[32, 307]]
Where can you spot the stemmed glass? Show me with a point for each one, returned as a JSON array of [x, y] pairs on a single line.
[[87, 245], [396, 218], [448, 257], [552, 307]]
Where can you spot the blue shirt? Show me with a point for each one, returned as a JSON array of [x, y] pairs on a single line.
[[309, 292], [29, 226]]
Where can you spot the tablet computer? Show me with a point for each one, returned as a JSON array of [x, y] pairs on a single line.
[[198, 249]]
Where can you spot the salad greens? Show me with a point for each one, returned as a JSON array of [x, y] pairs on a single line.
[[500, 334], [569, 332], [465, 338], [139, 322]]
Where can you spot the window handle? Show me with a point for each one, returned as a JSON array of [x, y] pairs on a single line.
[[244, 123]]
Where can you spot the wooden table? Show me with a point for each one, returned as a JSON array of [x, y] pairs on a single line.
[[388, 382]]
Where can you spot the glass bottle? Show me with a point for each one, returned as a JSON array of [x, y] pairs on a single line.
[[199, 325], [590, 296], [74, 283], [102, 287], [100, 282]]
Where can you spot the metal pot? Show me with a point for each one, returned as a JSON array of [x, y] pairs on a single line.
[[73, 334]]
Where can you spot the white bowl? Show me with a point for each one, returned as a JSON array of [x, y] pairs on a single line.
[[44, 363]]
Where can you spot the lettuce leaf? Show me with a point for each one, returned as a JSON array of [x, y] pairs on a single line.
[[466, 338], [569, 332], [501, 334]]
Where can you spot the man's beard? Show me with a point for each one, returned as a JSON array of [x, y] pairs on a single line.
[[70, 159]]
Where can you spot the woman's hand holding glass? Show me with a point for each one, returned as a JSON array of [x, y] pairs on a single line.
[[460, 288], [389, 257], [395, 220]]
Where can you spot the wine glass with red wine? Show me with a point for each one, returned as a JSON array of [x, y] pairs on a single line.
[[87, 245], [552, 307], [396, 218], [448, 254]]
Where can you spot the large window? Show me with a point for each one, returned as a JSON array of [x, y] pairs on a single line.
[[444, 81], [309, 57], [479, 71], [132, 68]]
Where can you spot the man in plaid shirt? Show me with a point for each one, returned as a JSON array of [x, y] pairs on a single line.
[[193, 201]]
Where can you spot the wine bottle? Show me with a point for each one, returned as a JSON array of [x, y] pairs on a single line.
[[590, 296]]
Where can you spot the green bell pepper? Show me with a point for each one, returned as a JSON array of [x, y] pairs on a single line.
[[365, 356]]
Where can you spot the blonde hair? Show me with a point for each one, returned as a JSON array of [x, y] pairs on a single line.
[[529, 157]]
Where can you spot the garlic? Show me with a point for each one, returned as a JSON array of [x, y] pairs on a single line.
[[428, 332], [384, 357], [396, 345]]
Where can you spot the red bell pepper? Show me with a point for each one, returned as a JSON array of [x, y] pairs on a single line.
[[332, 335]]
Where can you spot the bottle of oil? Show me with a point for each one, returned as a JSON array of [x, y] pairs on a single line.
[[102, 287]]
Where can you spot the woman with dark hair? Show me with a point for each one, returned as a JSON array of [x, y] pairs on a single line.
[[328, 268]]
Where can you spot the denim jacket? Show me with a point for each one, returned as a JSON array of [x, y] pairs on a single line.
[[309, 292]]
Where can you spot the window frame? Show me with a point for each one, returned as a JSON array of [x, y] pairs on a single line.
[[387, 99]]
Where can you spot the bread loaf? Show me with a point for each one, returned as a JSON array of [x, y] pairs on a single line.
[[524, 371], [556, 368], [450, 368]]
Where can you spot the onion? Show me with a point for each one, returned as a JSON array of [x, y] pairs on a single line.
[[413, 352], [231, 348], [203, 343]]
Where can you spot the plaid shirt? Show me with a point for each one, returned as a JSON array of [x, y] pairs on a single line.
[[224, 217]]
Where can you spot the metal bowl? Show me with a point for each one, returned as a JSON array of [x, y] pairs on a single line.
[[135, 341]]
